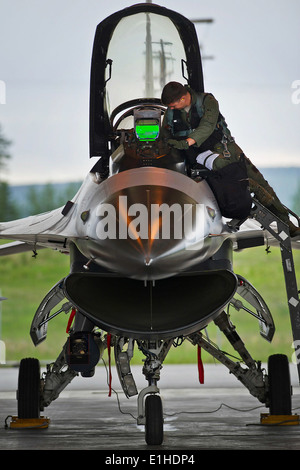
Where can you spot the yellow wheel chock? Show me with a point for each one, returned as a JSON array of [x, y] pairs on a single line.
[[29, 423], [279, 420]]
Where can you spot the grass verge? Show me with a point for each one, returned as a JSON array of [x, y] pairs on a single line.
[[25, 280]]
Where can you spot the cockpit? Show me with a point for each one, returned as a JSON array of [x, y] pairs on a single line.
[[136, 52], [142, 145]]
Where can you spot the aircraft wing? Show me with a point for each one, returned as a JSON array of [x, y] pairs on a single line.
[[15, 248], [54, 229], [251, 233], [43, 230], [51, 229]]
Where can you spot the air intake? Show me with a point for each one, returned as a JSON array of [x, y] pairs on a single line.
[[167, 308]]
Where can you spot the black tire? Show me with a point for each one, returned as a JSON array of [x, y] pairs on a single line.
[[154, 432], [279, 385], [29, 389]]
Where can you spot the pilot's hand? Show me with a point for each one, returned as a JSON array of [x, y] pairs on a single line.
[[178, 144]]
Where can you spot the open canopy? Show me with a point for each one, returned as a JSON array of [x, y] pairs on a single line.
[[136, 51]]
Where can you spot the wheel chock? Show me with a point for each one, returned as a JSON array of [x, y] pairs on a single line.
[[279, 420], [29, 423]]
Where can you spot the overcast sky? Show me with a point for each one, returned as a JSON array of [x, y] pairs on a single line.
[[45, 54]]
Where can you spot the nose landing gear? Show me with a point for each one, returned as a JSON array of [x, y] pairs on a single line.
[[151, 411]]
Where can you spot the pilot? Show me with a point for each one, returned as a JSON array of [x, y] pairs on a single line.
[[193, 124]]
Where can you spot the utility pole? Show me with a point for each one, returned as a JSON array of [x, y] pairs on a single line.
[[162, 55]]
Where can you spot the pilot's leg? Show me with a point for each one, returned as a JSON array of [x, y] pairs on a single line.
[[258, 185]]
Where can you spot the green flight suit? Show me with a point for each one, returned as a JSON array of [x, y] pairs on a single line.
[[228, 152]]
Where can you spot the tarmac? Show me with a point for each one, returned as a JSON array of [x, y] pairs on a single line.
[[219, 415]]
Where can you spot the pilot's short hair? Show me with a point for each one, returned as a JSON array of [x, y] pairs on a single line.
[[172, 92]]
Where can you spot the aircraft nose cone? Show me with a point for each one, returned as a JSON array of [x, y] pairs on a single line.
[[149, 231], [147, 236]]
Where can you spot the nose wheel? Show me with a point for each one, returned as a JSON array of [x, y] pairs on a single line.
[[154, 422], [150, 413]]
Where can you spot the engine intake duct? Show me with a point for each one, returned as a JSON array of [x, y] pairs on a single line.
[[167, 308]]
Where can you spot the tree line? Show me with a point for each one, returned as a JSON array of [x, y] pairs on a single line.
[[37, 198]]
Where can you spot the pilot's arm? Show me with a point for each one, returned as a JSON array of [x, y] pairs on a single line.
[[205, 128], [208, 121]]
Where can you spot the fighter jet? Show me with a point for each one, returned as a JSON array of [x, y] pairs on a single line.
[[150, 250]]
